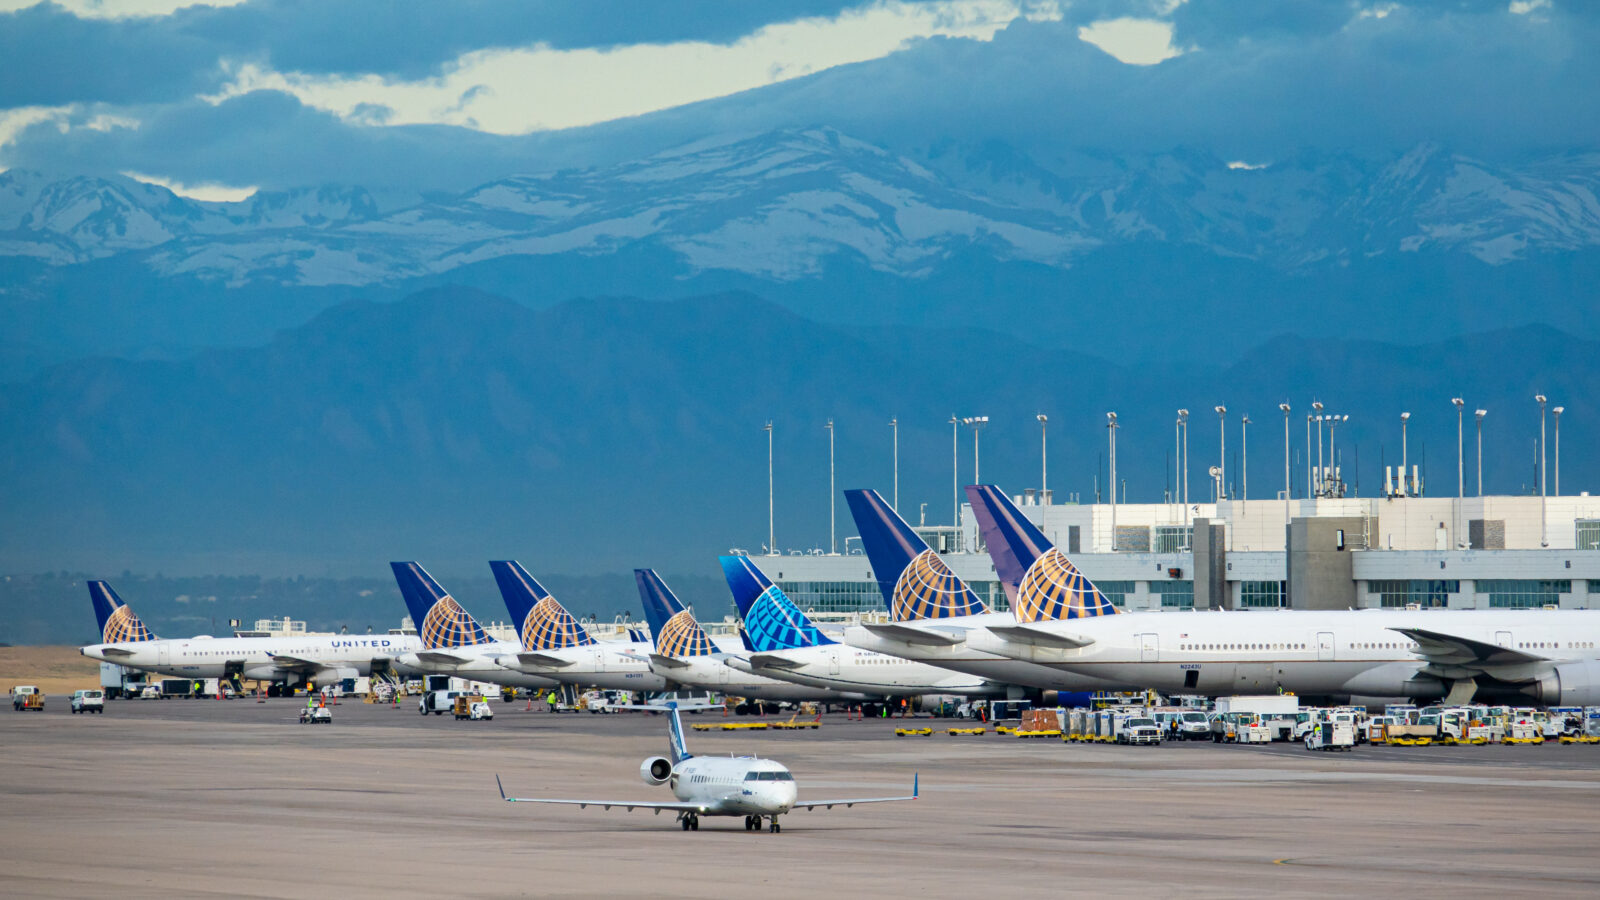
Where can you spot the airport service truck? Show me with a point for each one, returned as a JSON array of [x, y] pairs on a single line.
[[26, 696], [1277, 712]]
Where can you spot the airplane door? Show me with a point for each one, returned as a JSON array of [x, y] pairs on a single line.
[[833, 663], [1149, 648], [1502, 639], [1324, 646], [599, 660], [164, 656]]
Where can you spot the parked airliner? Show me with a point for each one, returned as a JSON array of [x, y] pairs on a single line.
[[716, 785], [453, 643], [320, 659], [555, 645], [1547, 656], [685, 654], [784, 644]]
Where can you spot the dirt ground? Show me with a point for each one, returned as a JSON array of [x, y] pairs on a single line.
[[55, 670]]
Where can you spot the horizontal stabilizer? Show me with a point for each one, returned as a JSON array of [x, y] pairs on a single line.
[[1037, 637], [773, 661], [910, 634], [669, 662], [543, 660], [440, 658], [115, 651]]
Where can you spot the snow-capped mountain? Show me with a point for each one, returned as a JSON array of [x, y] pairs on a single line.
[[780, 206]]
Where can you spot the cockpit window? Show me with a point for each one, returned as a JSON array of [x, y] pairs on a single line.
[[768, 776]]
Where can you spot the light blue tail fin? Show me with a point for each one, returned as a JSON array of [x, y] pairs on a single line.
[[118, 624], [771, 620], [915, 582], [1042, 584], [543, 622], [678, 750], [440, 620], [676, 631]]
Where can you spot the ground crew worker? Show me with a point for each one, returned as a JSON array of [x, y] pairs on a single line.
[[551, 699]]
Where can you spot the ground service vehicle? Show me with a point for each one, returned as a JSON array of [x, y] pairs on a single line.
[[1338, 733], [438, 702], [1239, 728], [1138, 730], [319, 715], [471, 706], [88, 701], [26, 696]]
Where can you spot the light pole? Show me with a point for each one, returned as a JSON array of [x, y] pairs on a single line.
[[1285, 408], [1222, 437], [1177, 461], [894, 425], [772, 540], [1244, 459], [976, 422], [1461, 459], [1322, 476], [1556, 412], [1111, 432], [1405, 489], [833, 541], [1044, 466], [1544, 537], [1333, 458], [955, 477], [1309, 492], [1479, 415], [1183, 422]]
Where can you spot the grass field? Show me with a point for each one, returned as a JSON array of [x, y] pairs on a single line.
[[55, 670]]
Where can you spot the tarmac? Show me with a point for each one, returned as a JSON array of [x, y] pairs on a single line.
[[163, 798]]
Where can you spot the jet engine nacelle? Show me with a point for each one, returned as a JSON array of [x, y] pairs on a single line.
[[1570, 684], [262, 673], [655, 770]]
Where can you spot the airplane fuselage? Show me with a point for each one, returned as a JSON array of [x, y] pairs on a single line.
[[711, 673], [966, 658], [841, 667], [322, 657], [478, 662], [614, 666], [724, 786]]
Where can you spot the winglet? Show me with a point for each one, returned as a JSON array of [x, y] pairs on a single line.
[[915, 778], [503, 788]]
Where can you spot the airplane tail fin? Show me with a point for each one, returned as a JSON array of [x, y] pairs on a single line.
[[677, 633], [440, 620], [118, 624], [771, 620], [679, 749], [545, 623], [1039, 580], [915, 582], [638, 635]]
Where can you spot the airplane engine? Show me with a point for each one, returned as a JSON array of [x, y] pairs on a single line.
[[262, 673], [1569, 684], [655, 770]]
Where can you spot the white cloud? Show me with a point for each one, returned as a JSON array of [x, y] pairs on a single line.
[[117, 9], [1524, 7], [1139, 42], [210, 191], [1248, 167], [13, 121], [539, 88]]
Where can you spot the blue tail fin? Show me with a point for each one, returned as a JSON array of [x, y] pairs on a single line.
[[677, 633], [440, 620], [771, 620], [544, 623], [118, 624], [916, 583], [679, 749], [1042, 584], [638, 635]]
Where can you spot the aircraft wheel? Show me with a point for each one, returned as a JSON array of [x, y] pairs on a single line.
[[685, 822], [775, 826], [694, 824]]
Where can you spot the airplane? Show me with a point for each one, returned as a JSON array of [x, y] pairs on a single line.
[[715, 786], [555, 645], [320, 659], [932, 612], [1548, 656], [453, 643], [784, 644], [685, 654]]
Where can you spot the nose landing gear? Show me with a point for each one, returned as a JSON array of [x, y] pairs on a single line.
[[775, 828]]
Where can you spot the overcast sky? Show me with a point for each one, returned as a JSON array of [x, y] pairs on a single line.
[[217, 99]]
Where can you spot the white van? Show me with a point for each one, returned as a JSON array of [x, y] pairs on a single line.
[[88, 702]]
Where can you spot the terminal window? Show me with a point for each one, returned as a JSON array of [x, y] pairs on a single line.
[[834, 596], [1521, 593], [1116, 591], [1401, 592], [1173, 538], [1588, 534], [1262, 594], [992, 593], [1174, 594]]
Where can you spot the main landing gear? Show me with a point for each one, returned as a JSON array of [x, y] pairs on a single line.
[[690, 821], [753, 823]]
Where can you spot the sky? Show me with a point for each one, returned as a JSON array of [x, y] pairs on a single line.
[[218, 99]]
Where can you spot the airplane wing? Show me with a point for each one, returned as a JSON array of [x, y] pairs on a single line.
[[543, 659], [629, 805], [1038, 637], [910, 634], [295, 662], [830, 804], [1448, 649]]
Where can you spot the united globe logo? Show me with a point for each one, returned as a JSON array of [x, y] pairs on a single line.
[[683, 636], [548, 626], [927, 589], [122, 627], [448, 625], [1053, 589]]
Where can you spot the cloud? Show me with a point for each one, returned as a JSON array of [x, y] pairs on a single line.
[[1141, 42], [541, 88], [219, 193]]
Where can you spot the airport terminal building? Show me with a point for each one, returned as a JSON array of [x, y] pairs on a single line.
[[1501, 552]]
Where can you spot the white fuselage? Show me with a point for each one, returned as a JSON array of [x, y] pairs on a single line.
[[711, 673], [478, 662], [842, 667], [621, 666], [963, 657], [321, 657], [1301, 651], [728, 786]]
